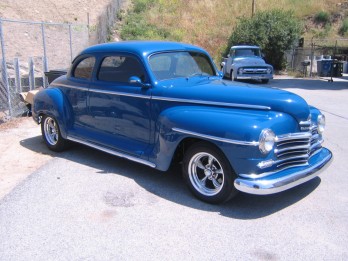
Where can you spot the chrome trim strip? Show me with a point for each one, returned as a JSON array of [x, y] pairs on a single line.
[[209, 137], [203, 102], [292, 136], [103, 91], [248, 106], [275, 185], [121, 94], [112, 152], [290, 149], [307, 122], [69, 86]]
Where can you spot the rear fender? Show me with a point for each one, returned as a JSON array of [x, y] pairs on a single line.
[[53, 102]]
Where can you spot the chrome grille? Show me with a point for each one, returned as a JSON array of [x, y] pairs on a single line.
[[255, 70], [295, 149]]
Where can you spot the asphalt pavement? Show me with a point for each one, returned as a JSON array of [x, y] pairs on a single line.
[[87, 205]]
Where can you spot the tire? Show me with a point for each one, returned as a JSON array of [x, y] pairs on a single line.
[[208, 173], [264, 81], [231, 76], [52, 135]]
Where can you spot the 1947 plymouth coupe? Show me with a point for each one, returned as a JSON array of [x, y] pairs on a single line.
[[159, 102]]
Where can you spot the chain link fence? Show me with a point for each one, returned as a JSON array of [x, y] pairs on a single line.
[[28, 50]]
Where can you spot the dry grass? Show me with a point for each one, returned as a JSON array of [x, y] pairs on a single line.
[[209, 23]]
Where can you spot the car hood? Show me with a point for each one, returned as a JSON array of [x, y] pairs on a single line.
[[250, 61], [216, 92]]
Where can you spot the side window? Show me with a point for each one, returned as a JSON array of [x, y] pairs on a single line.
[[84, 69], [120, 69]]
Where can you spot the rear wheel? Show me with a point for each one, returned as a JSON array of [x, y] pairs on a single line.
[[51, 134], [208, 173]]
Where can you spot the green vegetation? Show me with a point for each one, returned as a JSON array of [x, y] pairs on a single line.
[[344, 28], [207, 23], [274, 31], [322, 17]]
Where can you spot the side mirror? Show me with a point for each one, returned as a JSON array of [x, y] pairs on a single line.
[[136, 81]]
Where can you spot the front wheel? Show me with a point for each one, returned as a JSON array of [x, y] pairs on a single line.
[[51, 134], [232, 78], [208, 173], [264, 81]]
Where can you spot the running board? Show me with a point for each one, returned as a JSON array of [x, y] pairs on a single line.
[[112, 152]]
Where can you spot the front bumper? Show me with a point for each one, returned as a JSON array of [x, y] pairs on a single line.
[[288, 178], [254, 77]]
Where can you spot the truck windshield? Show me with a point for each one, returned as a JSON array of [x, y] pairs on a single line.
[[247, 52], [171, 65]]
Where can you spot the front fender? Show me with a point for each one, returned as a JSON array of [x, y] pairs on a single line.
[[235, 131], [52, 102]]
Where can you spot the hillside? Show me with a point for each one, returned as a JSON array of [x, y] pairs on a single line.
[[209, 23]]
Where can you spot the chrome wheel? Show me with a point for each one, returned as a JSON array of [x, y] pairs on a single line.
[[51, 134], [51, 131], [206, 174]]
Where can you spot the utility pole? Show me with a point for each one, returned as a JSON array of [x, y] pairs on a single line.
[[253, 8]]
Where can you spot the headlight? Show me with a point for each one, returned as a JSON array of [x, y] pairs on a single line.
[[266, 140], [321, 123], [240, 70], [269, 70]]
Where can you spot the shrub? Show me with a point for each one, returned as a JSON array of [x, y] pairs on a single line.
[[274, 31], [344, 28], [322, 17]]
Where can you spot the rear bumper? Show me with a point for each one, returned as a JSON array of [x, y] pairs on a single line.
[[286, 179]]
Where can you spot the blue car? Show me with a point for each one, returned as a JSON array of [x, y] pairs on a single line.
[[158, 103]]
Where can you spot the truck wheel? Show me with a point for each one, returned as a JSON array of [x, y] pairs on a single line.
[[264, 81], [51, 134], [208, 173], [232, 78]]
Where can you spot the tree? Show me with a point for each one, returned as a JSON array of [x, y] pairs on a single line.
[[274, 31]]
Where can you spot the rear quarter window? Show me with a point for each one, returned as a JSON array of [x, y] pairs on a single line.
[[84, 68]]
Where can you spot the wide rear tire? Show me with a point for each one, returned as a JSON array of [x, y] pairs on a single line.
[[208, 173]]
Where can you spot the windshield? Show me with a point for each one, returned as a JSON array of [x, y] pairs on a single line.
[[180, 64], [247, 52]]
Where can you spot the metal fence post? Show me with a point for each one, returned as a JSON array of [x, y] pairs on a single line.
[[70, 41], [17, 75], [4, 68], [44, 59], [31, 74]]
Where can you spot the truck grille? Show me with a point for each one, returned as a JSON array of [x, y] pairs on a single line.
[[255, 70], [295, 149]]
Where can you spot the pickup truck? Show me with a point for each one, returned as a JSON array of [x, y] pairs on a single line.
[[163, 103], [245, 62]]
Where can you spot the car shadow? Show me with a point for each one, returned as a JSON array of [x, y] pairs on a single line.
[[170, 185]]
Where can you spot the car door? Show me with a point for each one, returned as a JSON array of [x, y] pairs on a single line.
[[120, 111], [75, 90]]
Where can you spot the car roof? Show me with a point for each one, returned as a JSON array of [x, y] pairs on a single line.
[[141, 48]]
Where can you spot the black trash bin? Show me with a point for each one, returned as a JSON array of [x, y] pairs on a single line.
[[54, 74], [337, 69], [324, 68]]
